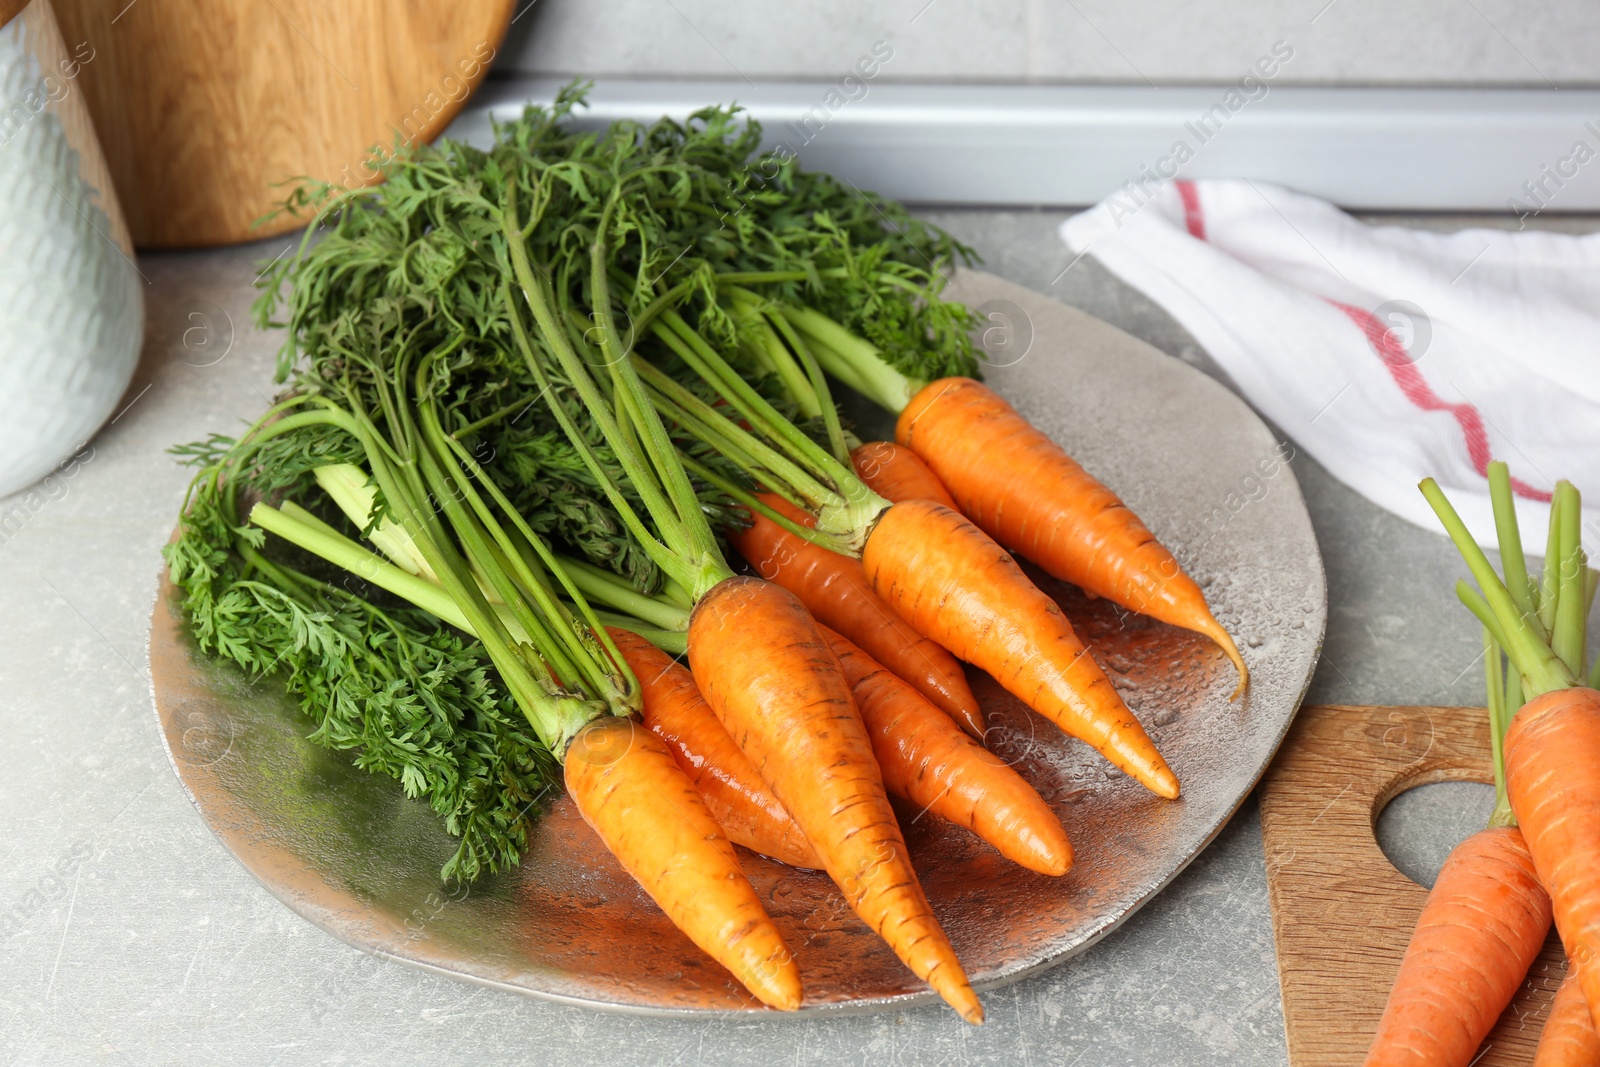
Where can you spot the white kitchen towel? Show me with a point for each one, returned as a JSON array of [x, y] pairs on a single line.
[[1387, 353]]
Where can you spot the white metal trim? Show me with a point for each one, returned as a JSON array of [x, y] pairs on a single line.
[[1373, 149]]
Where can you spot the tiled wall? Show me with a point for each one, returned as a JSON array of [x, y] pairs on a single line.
[[1400, 42]]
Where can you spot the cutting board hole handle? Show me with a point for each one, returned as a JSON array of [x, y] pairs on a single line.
[[1426, 815]]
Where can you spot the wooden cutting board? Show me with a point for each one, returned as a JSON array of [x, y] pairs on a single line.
[[1341, 912], [202, 108]]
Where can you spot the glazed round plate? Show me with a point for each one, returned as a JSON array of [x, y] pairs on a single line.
[[351, 854]]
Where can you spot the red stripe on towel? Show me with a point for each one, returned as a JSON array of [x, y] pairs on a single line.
[[1192, 215], [1419, 392], [1395, 357]]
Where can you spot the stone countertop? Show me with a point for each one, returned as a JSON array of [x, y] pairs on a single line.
[[129, 936]]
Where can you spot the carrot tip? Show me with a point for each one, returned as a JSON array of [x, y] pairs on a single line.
[[1225, 642], [782, 993], [967, 1005]]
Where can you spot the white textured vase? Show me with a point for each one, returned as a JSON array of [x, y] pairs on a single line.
[[71, 305]]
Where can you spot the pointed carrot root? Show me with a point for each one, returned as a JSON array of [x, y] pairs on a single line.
[[724, 777], [896, 473], [1024, 491], [930, 762], [766, 671], [632, 793], [1479, 932], [957, 586], [1552, 751], [837, 593], [1569, 1038]]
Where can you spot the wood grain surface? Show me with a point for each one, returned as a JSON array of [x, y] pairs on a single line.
[[1341, 913], [204, 109], [10, 9]]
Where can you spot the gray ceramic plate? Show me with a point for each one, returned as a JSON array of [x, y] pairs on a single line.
[[348, 852]]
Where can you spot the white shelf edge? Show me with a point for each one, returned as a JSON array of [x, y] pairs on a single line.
[[1362, 148]]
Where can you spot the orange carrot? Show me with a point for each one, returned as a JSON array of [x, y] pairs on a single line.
[[943, 574], [725, 778], [1552, 751], [837, 593], [1569, 1038], [896, 473], [931, 763], [630, 790], [1481, 929], [1022, 489], [753, 648]]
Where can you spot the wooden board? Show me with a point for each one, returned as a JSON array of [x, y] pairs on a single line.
[[1341, 912], [202, 108]]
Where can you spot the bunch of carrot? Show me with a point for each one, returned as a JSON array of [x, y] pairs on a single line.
[[1490, 910], [539, 276]]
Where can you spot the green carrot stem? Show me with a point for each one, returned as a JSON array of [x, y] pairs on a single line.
[[555, 714], [666, 301], [882, 383], [861, 506], [1480, 609], [465, 512], [672, 642], [746, 311], [691, 519], [747, 451], [1494, 684], [1542, 671], [304, 530], [832, 542], [671, 556], [819, 384], [661, 554], [614, 591], [493, 417], [1512, 560], [1550, 586], [349, 487], [1567, 638], [763, 277], [706, 362], [840, 367], [568, 645], [620, 683], [676, 593]]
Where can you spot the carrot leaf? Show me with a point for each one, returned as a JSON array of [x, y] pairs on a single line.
[[1541, 670]]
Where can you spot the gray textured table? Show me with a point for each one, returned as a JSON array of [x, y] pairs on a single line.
[[129, 936]]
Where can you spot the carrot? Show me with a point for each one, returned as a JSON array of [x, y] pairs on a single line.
[[928, 761], [1569, 1038], [1551, 749], [1482, 927], [896, 473], [936, 569], [724, 777], [753, 648], [954, 584], [1553, 778], [1022, 489], [836, 592], [633, 794]]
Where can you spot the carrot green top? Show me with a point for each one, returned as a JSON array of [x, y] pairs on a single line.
[[1538, 625]]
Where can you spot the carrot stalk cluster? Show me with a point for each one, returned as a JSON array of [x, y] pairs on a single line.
[[682, 401], [1490, 910]]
